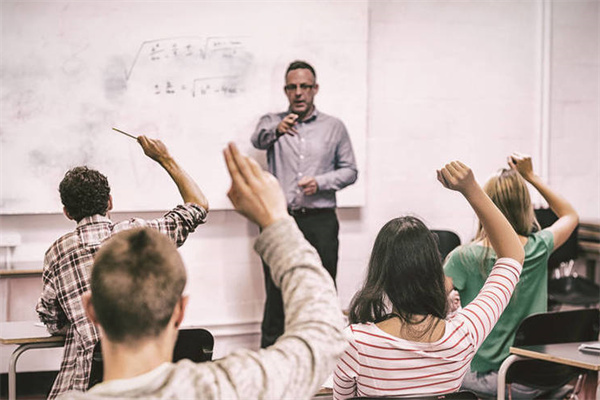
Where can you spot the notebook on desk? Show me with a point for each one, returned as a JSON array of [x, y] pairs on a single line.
[[590, 347]]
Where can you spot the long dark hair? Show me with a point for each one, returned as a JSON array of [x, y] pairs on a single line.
[[405, 270]]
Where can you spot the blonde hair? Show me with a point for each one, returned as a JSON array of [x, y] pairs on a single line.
[[510, 194]]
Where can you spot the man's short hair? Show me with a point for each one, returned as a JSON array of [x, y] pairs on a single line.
[[84, 192], [299, 64], [137, 279]]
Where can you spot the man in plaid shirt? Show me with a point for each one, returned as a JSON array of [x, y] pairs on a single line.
[[85, 195]]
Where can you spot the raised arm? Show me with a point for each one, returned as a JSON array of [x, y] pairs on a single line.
[[483, 312], [503, 238], [189, 190], [567, 216], [298, 363]]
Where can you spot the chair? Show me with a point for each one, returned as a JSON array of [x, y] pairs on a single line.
[[568, 251], [194, 344], [447, 241], [546, 328], [571, 289], [461, 395]]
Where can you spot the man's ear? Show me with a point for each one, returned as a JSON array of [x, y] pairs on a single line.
[[316, 88], [89, 308], [67, 214], [180, 310], [110, 203]]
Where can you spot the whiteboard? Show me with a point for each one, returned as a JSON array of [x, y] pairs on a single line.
[[193, 74]]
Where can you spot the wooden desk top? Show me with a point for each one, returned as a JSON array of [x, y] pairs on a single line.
[[25, 332], [20, 273], [561, 353]]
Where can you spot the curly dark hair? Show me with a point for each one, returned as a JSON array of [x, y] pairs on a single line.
[[84, 192]]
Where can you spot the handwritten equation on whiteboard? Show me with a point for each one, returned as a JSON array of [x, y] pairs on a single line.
[[191, 66]]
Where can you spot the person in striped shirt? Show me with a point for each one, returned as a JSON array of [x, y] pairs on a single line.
[[401, 342]]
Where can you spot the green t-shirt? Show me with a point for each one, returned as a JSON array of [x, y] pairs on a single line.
[[464, 265]]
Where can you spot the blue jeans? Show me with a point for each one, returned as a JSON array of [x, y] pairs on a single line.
[[485, 385]]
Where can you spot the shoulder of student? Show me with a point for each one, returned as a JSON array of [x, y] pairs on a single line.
[[62, 245]]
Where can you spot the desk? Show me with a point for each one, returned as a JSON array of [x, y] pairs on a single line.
[[27, 335], [561, 353]]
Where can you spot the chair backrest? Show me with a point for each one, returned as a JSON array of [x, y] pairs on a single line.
[[447, 241], [195, 344], [559, 327], [566, 252]]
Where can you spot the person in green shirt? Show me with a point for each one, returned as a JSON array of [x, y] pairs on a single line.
[[467, 267]]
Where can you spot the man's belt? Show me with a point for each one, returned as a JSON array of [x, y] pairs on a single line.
[[303, 211]]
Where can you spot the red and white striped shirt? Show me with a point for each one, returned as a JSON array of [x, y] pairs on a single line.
[[379, 364]]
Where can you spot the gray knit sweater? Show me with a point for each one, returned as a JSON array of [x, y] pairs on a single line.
[[293, 368]]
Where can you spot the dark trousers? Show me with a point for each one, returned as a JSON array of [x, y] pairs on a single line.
[[321, 229]]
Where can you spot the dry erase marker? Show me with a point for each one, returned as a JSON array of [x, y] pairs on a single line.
[[125, 133]]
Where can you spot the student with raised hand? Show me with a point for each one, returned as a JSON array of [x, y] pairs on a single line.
[[401, 343], [468, 266], [86, 199], [140, 316]]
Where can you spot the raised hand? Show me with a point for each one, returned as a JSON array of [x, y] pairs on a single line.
[[154, 148], [522, 164], [457, 176], [187, 186], [254, 193], [287, 125], [503, 238]]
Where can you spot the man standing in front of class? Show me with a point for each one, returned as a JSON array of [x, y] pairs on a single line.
[[311, 155]]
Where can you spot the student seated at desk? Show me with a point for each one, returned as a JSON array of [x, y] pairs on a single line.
[[136, 300], [410, 348], [85, 194], [468, 266]]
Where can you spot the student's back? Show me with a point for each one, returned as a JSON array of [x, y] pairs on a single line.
[[379, 363], [468, 266], [530, 296]]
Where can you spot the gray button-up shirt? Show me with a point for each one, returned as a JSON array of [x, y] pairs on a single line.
[[321, 149]]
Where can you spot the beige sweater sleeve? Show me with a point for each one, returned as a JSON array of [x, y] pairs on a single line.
[[300, 361]]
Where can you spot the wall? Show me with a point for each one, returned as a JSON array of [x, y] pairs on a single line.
[[574, 147], [447, 80], [175, 72]]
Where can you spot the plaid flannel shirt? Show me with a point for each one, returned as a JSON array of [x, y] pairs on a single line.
[[66, 276]]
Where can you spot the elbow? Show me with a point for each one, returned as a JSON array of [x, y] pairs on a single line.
[[258, 143], [204, 204], [350, 176], [519, 255], [575, 218], [354, 176]]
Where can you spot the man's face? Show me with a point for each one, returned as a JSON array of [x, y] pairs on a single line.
[[300, 89]]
